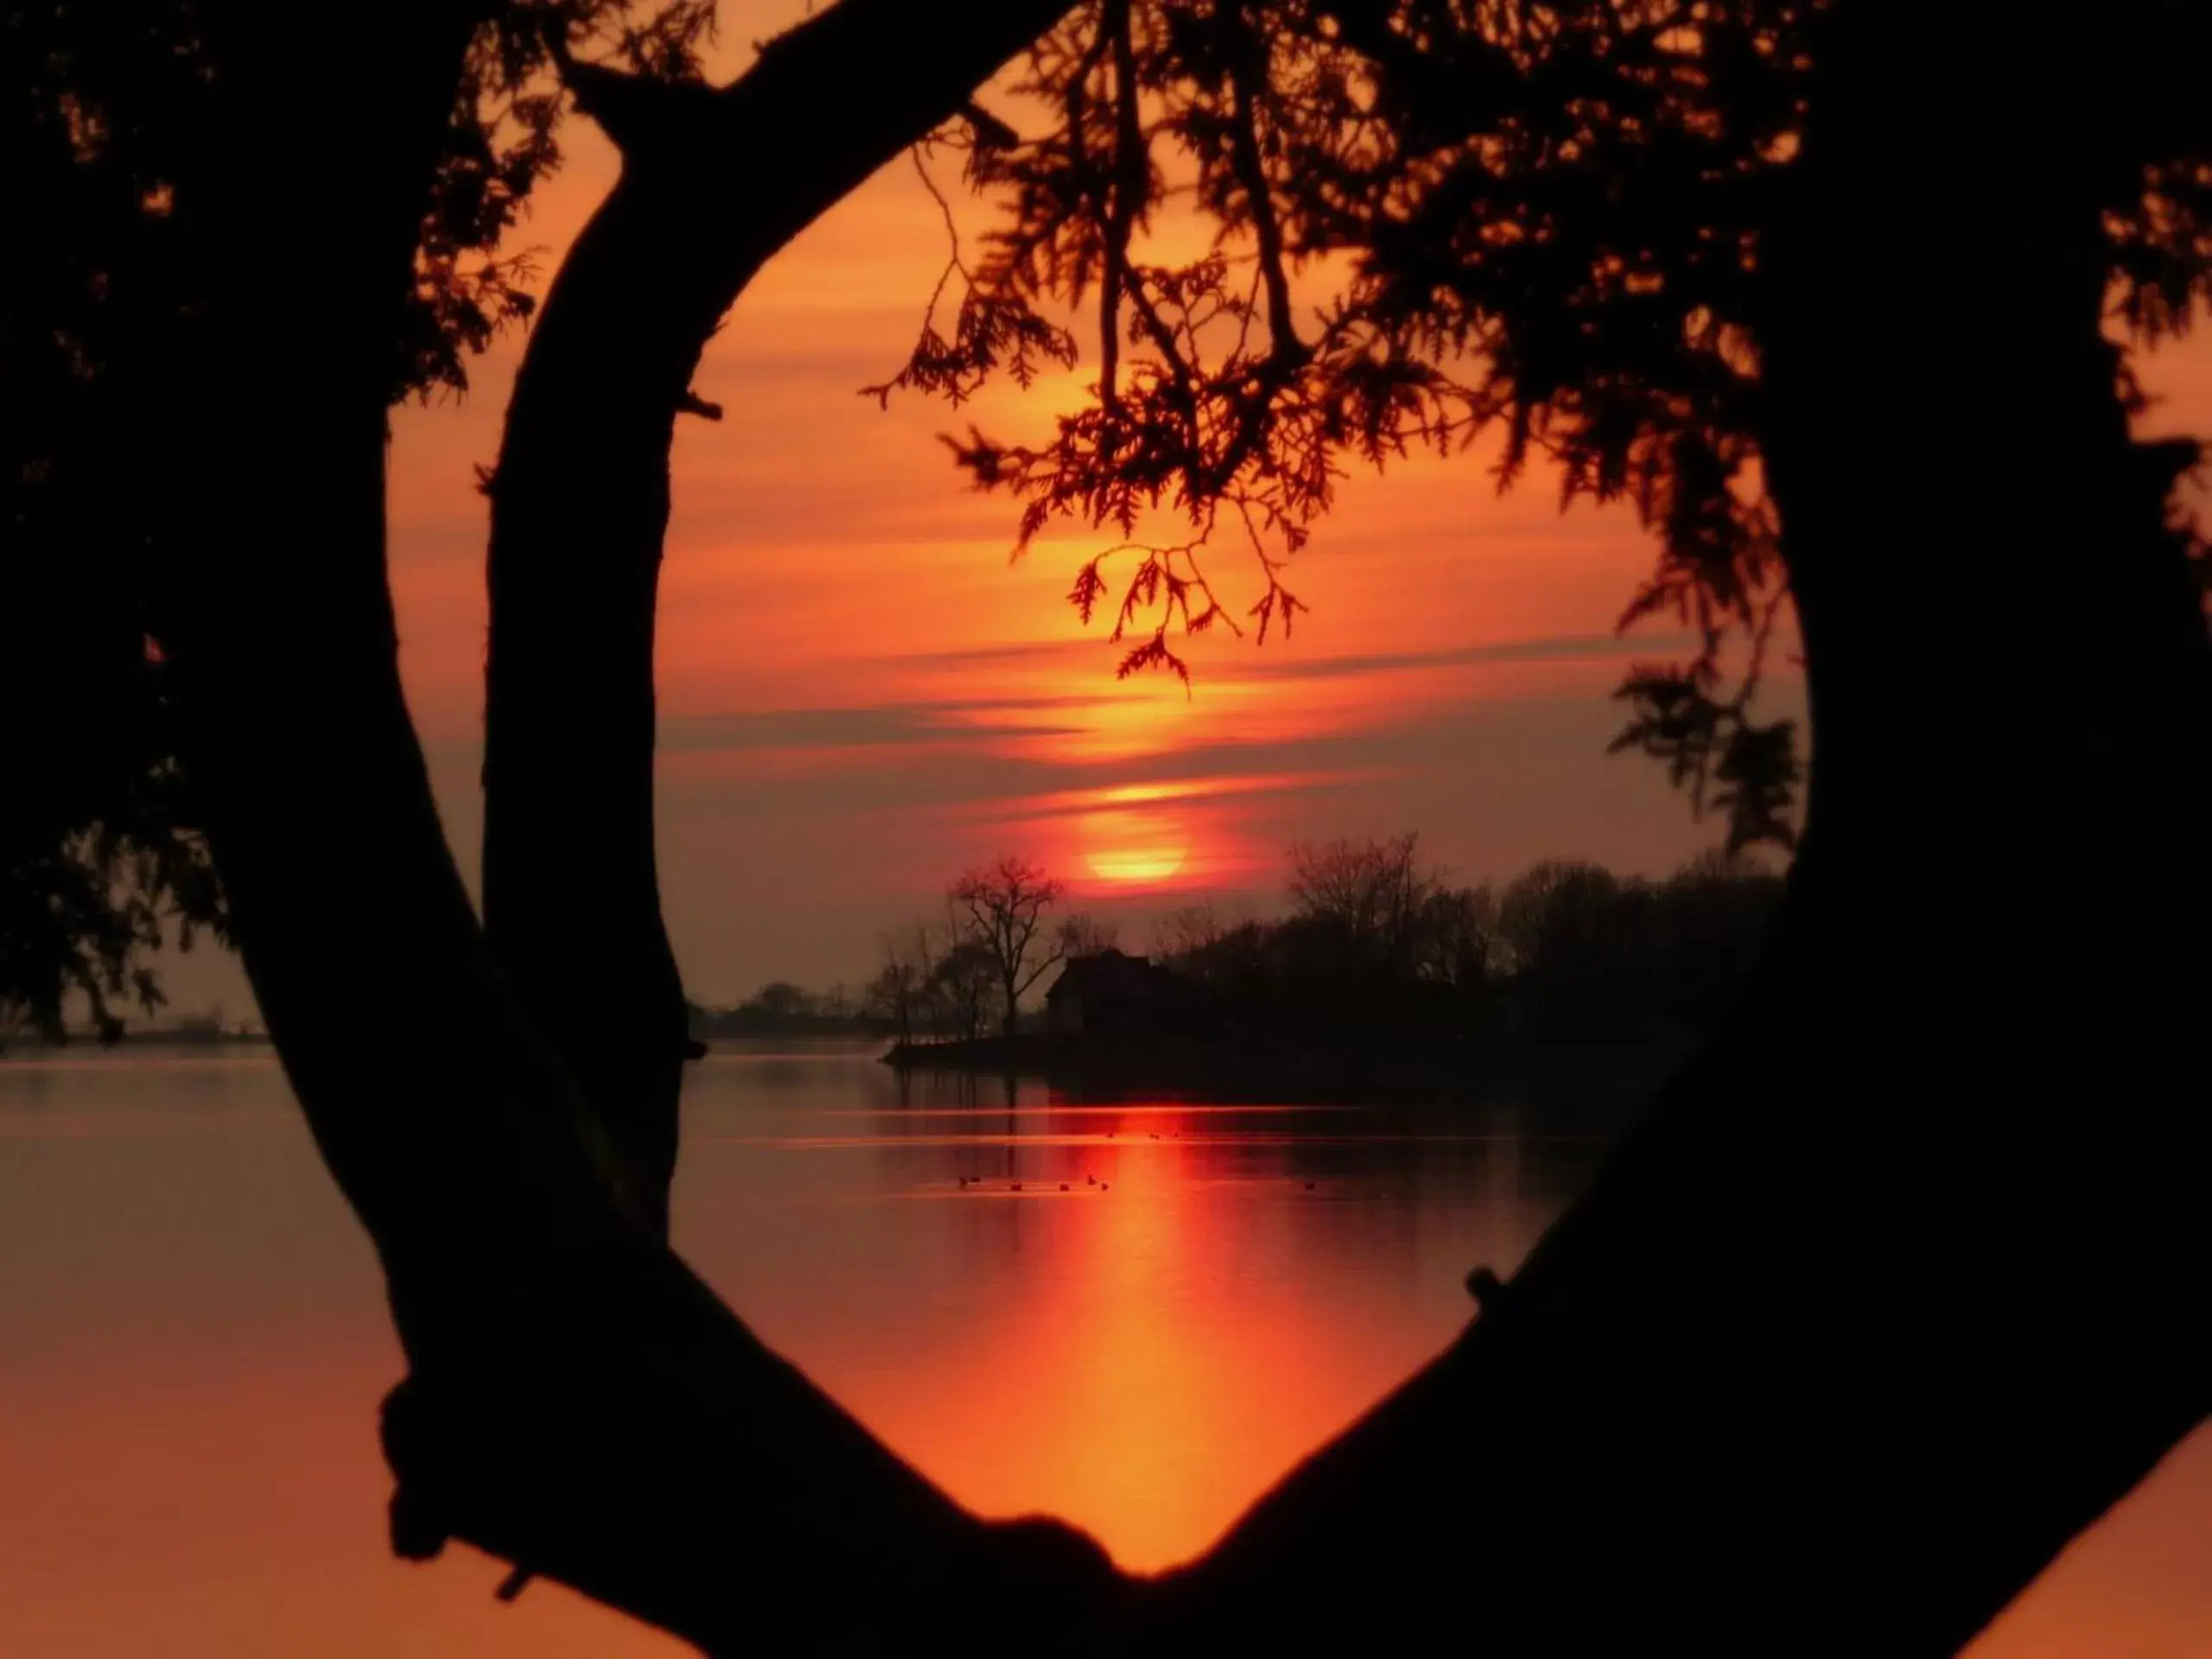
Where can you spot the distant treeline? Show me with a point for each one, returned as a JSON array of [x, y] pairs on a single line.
[[783, 1009], [954, 977], [1376, 947], [188, 1029]]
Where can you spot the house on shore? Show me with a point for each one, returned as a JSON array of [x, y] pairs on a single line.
[[1108, 993]]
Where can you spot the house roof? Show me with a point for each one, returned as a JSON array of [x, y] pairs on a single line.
[[1109, 975]]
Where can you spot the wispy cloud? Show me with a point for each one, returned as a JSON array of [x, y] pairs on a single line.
[[1284, 662], [970, 720], [1157, 793], [859, 696], [1555, 648]]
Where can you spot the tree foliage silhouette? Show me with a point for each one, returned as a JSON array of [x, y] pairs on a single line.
[[1549, 221], [101, 852]]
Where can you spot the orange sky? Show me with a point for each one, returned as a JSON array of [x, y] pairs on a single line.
[[858, 696]]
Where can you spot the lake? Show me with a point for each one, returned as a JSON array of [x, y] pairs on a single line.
[[1178, 1301]]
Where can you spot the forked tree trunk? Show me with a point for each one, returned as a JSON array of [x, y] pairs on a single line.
[[1894, 1293], [714, 183]]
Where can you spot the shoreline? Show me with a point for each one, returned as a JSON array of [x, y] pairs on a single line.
[[32, 1043], [1613, 1066]]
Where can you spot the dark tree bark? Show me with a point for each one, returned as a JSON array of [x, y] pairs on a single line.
[[1896, 1291], [2011, 688], [576, 1398], [714, 183]]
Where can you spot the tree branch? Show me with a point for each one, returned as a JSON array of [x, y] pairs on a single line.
[[581, 508], [1247, 78], [1132, 168]]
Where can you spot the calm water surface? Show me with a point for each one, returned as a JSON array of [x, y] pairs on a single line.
[[1178, 1302]]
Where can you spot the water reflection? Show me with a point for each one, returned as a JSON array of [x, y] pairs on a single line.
[[193, 1339], [1137, 1313]]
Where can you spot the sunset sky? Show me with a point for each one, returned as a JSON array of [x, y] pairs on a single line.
[[859, 695]]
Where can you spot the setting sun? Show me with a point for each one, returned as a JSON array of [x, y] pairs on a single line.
[[1135, 846], [1138, 866]]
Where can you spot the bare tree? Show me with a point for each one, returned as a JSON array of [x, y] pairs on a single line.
[[1372, 889], [1086, 936], [1457, 939], [962, 982], [900, 988], [1186, 931], [1551, 910], [1002, 906]]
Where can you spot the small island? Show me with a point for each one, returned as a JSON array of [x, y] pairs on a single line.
[[1382, 982]]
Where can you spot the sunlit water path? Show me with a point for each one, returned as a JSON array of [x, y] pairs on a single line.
[[1175, 1304]]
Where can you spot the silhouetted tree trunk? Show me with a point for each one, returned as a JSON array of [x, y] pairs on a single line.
[[576, 1399], [1895, 1291], [1898, 1288], [714, 183], [2007, 662]]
